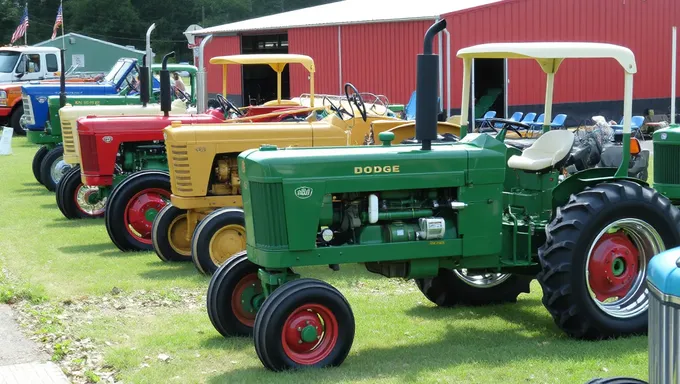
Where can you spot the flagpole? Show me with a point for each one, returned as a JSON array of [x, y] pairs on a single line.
[[26, 31], [63, 43]]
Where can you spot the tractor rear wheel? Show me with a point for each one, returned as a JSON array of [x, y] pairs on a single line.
[[78, 201], [37, 160], [53, 168], [132, 207], [457, 287], [234, 296], [169, 234], [303, 323], [595, 257], [217, 237]]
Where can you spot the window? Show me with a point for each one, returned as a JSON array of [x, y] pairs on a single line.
[[51, 60], [32, 63]]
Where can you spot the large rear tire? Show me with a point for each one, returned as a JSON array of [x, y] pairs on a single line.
[[217, 237], [77, 201], [53, 168], [168, 234], [132, 207], [595, 256], [456, 287], [37, 160]]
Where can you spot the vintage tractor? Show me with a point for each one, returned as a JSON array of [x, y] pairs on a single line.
[[473, 222], [113, 149]]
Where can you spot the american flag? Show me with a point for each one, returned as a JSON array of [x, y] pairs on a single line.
[[58, 22], [23, 25]]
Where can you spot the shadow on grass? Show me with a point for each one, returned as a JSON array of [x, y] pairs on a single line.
[[160, 270], [33, 184], [87, 248], [227, 343], [35, 190], [63, 222], [48, 206], [461, 345]]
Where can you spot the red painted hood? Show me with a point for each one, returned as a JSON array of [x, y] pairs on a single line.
[[135, 125]]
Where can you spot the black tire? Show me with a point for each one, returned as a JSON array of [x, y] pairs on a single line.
[[15, 120], [566, 255], [223, 219], [53, 158], [115, 216], [617, 380], [170, 218], [37, 160], [70, 185], [449, 288], [229, 278], [282, 304]]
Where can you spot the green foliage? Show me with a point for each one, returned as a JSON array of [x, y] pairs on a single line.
[[60, 350], [125, 21]]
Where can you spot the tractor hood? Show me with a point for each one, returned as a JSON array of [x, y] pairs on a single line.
[[132, 125], [480, 158]]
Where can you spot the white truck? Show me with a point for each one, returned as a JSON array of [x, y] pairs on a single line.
[[24, 63]]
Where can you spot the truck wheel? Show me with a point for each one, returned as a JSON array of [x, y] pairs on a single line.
[[37, 160], [234, 295], [15, 120], [77, 201], [132, 207], [168, 234], [53, 168], [303, 323], [595, 258], [457, 287], [217, 237]]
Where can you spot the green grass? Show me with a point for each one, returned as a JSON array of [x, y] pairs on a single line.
[[400, 336]]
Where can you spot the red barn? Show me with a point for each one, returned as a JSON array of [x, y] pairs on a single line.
[[373, 44]]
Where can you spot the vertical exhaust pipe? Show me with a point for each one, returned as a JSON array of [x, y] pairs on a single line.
[[201, 78], [427, 108], [149, 60], [62, 80], [144, 82], [166, 102]]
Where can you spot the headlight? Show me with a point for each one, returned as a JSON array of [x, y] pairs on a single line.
[[3, 98]]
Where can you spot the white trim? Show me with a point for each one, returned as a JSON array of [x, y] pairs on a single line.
[[91, 39]]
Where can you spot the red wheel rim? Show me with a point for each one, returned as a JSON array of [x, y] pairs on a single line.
[[140, 211], [309, 334], [91, 212], [613, 267], [242, 299]]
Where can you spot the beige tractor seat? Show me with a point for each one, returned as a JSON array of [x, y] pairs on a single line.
[[547, 151]]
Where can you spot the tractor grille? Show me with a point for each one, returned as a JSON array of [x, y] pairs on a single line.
[[28, 109], [67, 136], [179, 169], [666, 157], [269, 215]]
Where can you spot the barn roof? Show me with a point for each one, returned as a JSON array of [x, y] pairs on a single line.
[[349, 12]]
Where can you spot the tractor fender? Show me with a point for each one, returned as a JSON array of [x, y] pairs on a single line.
[[405, 130], [587, 178], [138, 174]]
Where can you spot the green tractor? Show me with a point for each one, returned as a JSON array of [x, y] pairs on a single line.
[[472, 222]]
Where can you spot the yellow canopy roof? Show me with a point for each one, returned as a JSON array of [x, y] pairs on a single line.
[[276, 61]]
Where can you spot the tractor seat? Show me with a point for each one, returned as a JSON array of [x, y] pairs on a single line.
[[520, 144], [549, 150]]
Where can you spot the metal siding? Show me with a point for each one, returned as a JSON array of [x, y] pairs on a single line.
[[321, 44], [222, 46], [99, 57], [642, 26]]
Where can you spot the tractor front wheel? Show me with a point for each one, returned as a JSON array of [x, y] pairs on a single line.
[[303, 323], [169, 234], [217, 237], [595, 257], [78, 201], [132, 207], [457, 287], [234, 296], [53, 168], [15, 121], [37, 160]]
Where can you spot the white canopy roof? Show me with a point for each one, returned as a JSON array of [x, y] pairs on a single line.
[[550, 54]]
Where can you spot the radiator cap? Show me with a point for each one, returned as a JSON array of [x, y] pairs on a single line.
[[268, 147]]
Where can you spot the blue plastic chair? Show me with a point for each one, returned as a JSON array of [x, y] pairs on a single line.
[[487, 115], [538, 123], [529, 118], [517, 116], [635, 123], [410, 109], [558, 121]]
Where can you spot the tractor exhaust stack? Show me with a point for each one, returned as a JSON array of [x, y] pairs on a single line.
[[201, 78], [426, 89], [62, 80], [166, 102], [144, 82]]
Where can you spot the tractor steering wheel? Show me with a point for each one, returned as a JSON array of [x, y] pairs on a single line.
[[340, 110], [507, 124], [356, 99], [228, 105]]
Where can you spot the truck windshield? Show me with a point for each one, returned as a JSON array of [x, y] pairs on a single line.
[[114, 76], [8, 59]]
